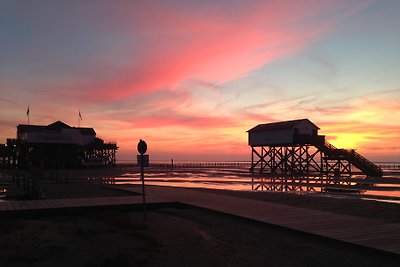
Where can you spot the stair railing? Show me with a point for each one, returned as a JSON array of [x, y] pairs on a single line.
[[352, 154]]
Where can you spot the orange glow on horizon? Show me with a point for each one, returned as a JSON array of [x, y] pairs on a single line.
[[348, 140]]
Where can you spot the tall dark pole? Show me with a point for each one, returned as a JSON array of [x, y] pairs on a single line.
[[142, 148], [143, 192]]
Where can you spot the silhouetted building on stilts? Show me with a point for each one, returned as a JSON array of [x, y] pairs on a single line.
[[294, 150], [58, 145]]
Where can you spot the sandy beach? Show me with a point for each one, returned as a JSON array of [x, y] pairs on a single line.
[[171, 236], [179, 236]]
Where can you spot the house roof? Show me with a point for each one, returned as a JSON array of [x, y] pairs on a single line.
[[55, 126], [58, 125], [281, 125], [87, 131]]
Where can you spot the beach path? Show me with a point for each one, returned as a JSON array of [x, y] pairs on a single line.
[[372, 233], [366, 232]]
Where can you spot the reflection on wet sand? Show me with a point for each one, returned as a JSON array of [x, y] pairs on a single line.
[[387, 187]]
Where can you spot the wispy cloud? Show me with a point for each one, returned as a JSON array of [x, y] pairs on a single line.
[[168, 46]]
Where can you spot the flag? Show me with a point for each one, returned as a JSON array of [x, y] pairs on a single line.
[[27, 111], [80, 116]]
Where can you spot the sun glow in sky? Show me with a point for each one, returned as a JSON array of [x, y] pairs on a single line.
[[190, 77]]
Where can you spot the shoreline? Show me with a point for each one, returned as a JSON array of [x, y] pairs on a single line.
[[82, 177]]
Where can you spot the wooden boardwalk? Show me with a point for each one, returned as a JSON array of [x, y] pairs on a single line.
[[61, 203], [372, 233]]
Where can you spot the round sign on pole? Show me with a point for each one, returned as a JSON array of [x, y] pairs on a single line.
[[142, 147]]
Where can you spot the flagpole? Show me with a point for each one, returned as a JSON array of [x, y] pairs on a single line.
[[79, 119], [27, 113]]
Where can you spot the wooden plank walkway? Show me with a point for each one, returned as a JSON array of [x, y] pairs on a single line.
[[372, 233], [45, 204]]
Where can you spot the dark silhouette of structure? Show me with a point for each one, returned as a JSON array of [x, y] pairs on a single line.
[[293, 149], [8, 153], [56, 145]]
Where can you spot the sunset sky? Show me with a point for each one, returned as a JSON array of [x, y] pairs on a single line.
[[191, 77]]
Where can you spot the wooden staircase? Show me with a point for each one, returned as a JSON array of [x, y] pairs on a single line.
[[360, 162]]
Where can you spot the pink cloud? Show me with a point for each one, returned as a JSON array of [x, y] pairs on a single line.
[[176, 45], [175, 120]]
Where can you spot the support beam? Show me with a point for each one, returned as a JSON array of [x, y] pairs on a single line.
[[287, 168]]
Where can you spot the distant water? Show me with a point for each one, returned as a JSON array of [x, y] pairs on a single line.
[[238, 178]]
